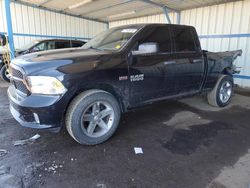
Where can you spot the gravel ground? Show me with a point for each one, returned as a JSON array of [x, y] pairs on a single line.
[[185, 143]]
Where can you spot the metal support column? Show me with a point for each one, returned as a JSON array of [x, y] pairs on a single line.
[[178, 17], [9, 28], [165, 10]]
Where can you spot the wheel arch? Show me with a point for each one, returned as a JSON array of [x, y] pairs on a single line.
[[116, 92], [227, 71]]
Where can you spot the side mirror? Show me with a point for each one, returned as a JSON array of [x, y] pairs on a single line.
[[147, 48], [26, 52], [3, 40], [35, 49]]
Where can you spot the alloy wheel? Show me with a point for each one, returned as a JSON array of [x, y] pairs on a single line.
[[226, 91], [97, 119]]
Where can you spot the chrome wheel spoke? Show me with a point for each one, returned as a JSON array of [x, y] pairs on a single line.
[[103, 125], [87, 117], [228, 85], [224, 97], [105, 113], [91, 127], [225, 91], [96, 108]]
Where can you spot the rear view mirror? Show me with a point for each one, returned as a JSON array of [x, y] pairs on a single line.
[[147, 48], [3, 40]]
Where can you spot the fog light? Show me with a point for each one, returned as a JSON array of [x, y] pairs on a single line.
[[36, 118]]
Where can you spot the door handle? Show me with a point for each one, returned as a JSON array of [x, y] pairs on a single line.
[[169, 62], [196, 60]]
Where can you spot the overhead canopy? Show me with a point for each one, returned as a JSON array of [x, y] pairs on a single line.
[[112, 10]]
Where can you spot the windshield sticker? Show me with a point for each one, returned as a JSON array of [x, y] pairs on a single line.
[[129, 30], [118, 46]]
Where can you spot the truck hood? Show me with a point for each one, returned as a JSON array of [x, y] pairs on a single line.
[[19, 52], [57, 59]]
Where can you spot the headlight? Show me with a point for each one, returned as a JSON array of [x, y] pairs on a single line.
[[45, 85]]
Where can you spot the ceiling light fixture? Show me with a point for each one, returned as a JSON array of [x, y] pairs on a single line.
[[122, 14], [80, 4]]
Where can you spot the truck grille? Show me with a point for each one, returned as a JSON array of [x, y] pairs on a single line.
[[17, 80], [20, 86], [17, 73]]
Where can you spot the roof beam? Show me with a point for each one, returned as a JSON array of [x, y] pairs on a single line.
[[108, 7], [165, 10], [43, 3], [159, 5]]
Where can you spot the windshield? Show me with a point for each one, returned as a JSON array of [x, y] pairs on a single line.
[[28, 46], [112, 39]]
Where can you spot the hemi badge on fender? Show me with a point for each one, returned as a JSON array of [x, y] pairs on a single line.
[[136, 78], [121, 78]]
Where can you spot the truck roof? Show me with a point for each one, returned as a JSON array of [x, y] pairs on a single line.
[[151, 24], [73, 40]]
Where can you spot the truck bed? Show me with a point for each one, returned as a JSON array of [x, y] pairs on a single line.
[[228, 55]]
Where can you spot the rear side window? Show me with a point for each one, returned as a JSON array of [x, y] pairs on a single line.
[[51, 45], [159, 35], [77, 44], [183, 39], [62, 44]]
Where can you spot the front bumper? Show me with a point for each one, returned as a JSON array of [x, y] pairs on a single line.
[[37, 111]]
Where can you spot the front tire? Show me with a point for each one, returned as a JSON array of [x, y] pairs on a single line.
[[93, 117], [5, 75], [222, 93]]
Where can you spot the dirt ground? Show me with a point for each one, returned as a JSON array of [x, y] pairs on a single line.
[[186, 144]]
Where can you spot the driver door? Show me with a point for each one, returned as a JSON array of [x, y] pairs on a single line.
[[152, 72]]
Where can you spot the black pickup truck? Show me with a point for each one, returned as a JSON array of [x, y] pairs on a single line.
[[88, 88]]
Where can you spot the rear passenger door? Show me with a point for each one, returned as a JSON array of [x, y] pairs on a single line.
[[188, 58]]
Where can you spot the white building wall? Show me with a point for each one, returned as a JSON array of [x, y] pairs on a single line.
[[30, 23], [220, 27]]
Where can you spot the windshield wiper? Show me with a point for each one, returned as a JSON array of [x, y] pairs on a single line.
[[91, 47]]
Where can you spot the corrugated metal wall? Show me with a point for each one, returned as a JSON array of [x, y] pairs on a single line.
[[31, 23], [224, 27], [220, 27]]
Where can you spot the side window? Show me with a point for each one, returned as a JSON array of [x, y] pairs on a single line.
[[51, 45], [160, 36], [183, 39], [77, 44], [40, 47], [62, 44]]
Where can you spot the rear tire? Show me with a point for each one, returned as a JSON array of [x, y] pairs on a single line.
[[5, 73], [93, 117], [222, 93]]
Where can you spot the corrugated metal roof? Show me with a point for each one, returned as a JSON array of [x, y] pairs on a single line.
[[111, 10]]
